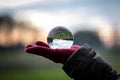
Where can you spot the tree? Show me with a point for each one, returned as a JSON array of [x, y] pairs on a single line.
[[90, 37], [6, 26]]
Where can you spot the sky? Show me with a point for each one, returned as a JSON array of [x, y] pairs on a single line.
[[69, 13]]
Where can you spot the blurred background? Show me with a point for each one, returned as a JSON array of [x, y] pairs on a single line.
[[96, 22]]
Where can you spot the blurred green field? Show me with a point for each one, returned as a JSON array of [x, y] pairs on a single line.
[[17, 65], [45, 74]]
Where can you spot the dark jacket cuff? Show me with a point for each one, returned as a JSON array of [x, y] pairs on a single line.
[[75, 61], [86, 64]]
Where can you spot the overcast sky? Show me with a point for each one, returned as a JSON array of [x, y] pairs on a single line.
[[66, 12]]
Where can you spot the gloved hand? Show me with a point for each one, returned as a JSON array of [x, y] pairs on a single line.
[[57, 55]]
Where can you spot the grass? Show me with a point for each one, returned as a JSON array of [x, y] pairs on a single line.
[[39, 68], [45, 74], [20, 66]]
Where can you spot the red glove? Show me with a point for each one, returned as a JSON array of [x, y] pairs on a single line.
[[56, 55]]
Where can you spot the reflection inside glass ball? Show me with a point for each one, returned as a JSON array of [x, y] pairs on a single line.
[[60, 37]]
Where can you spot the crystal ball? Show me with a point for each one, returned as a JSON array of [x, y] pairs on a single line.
[[60, 37]]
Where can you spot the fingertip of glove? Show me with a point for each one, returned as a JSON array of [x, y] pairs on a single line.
[[26, 50], [38, 42], [28, 46]]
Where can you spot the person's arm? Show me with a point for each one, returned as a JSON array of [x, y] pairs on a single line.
[[86, 64], [79, 62]]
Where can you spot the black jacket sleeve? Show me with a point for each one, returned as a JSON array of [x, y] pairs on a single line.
[[86, 64]]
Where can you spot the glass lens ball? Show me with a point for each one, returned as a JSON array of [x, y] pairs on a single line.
[[60, 37]]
